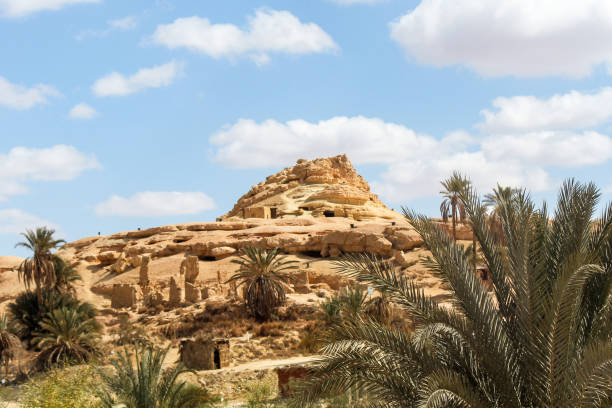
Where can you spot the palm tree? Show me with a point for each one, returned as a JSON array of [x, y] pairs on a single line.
[[27, 312], [65, 276], [147, 385], [9, 343], [264, 275], [38, 270], [67, 336], [495, 201], [452, 203], [541, 339]]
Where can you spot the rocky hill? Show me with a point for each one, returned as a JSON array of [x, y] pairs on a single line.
[[169, 281], [322, 187]]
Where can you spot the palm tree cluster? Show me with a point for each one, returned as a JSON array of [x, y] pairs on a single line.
[[541, 338], [140, 381], [263, 275], [48, 316]]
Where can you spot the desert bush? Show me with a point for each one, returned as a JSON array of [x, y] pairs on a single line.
[[259, 393], [129, 333], [71, 387], [270, 329]]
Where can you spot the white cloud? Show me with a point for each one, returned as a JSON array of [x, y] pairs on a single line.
[[509, 37], [16, 96], [15, 221], [269, 31], [116, 84], [248, 144], [573, 110], [123, 24], [20, 8], [120, 24], [548, 148], [156, 203], [415, 162], [82, 111], [22, 165]]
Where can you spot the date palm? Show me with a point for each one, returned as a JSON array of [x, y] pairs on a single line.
[[452, 203], [540, 339], [65, 276], [67, 336], [139, 381], [495, 200], [263, 274], [38, 270]]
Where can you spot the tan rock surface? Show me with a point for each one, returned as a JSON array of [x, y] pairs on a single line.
[[329, 187]]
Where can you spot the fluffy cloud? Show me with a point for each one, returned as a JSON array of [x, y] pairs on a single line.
[[509, 37], [19, 97], [269, 31], [15, 221], [116, 84], [248, 144], [156, 203], [120, 24], [20, 8], [22, 165], [573, 110], [415, 162], [82, 111]]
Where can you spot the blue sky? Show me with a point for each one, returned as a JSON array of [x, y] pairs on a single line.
[[117, 115]]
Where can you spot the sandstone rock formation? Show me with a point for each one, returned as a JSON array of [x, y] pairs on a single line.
[[322, 187]]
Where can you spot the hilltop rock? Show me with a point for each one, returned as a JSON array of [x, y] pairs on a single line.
[[322, 187]]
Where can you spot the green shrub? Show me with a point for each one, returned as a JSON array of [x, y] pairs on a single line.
[[71, 387], [259, 393]]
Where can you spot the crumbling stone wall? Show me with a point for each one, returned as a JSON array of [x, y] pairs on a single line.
[[175, 293], [123, 295], [192, 270], [205, 353]]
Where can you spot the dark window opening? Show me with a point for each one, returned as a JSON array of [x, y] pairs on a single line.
[[484, 275], [217, 359], [206, 258], [304, 208], [328, 213], [273, 212]]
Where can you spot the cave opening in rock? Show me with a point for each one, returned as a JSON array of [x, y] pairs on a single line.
[[206, 258], [273, 212], [328, 213], [312, 254]]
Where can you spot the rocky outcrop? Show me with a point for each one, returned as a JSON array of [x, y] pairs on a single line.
[[322, 187]]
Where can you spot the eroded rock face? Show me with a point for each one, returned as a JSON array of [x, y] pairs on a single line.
[[322, 187]]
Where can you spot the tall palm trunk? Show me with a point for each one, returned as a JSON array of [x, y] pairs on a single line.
[[454, 204]]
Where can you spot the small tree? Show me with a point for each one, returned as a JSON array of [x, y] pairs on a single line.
[[263, 274]]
